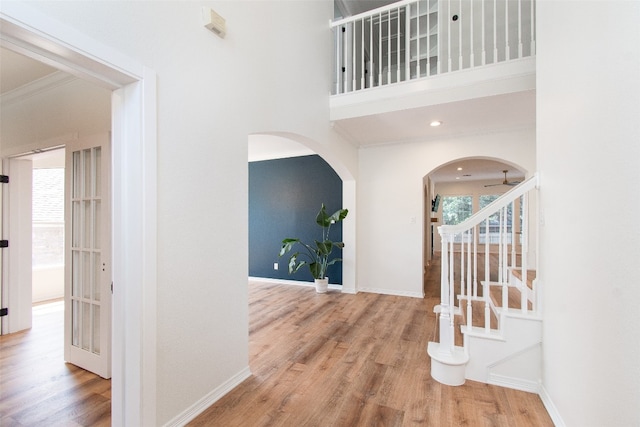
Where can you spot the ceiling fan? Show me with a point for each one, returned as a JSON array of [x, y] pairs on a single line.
[[505, 182]]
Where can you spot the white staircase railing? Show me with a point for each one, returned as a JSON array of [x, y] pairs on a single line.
[[498, 240], [412, 39]]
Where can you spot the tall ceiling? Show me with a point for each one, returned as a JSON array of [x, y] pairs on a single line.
[[409, 125]]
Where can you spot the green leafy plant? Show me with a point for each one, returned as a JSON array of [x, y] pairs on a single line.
[[318, 255]]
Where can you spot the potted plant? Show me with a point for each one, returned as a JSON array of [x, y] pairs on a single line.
[[318, 255]]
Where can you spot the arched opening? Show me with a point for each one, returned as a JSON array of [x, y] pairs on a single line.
[[271, 146], [455, 190]]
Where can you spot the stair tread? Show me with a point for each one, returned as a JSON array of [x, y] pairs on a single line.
[[477, 310], [513, 299], [531, 276]]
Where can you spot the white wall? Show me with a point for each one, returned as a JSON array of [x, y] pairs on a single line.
[[268, 75], [390, 197], [48, 283], [588, 101]]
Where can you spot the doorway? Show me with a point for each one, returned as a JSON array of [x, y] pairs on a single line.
[[133, 197], [48, 226]]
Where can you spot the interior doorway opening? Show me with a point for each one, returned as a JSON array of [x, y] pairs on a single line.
[[461, 187], [48, 226]]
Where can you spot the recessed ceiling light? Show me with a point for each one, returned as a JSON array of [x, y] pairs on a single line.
[[457, 177], [435, 123], [459, 169]]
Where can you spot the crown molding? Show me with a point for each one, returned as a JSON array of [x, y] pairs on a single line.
[[46, 83]]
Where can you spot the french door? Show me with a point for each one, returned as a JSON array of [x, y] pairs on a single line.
[[88, 255]]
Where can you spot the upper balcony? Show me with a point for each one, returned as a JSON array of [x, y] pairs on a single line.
[[420, 53]]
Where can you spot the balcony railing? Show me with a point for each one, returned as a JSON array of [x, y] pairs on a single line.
[[414, 39]]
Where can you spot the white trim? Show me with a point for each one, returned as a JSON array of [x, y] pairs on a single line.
[[392, 292], [43, 84], [290, 282], [513, 383], [551, 407], [209, 399]]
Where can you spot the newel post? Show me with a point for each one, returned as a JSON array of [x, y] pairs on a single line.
[[448, 362], [446, 309]]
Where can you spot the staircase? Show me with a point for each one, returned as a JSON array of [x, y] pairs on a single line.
[[490, 327]]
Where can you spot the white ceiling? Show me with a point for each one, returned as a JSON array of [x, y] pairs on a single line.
[[17, 70], [488, 171], [470, 117]]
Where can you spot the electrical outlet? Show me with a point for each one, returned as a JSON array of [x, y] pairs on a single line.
[[275, 265]]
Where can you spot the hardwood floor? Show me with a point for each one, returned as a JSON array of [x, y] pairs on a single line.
[[38, 389], [317, 360], [354, 360]]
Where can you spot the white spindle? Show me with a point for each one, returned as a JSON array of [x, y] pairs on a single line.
[[500, 246], [471, 55], [469, 281], [533, 28], [439, 38], [507, 50], [371, 55], [337, 31], [363, 64], [513, 234], [460, 37], [484, 35], [398, 47], [427, 20], [475, 260], [462, 277], [519, 28], [495, 31], [525, 252], [345, 60], [388, 47], [354, 68], [452, 301], [503, 259], [380, 49], [407, 42], [487, 277], [418, 39]]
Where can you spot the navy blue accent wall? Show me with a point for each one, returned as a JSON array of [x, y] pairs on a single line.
[[285, 196]]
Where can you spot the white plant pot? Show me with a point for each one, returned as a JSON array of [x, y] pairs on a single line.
[[322, 285]]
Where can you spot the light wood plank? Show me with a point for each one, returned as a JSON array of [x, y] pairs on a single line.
[[355, 360]]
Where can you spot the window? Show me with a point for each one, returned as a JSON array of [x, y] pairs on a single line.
[[48, 218], [456, 209], [494, 221]]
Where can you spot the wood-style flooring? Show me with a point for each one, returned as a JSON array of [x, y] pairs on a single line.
[[316, 360], [38, 389], [355, 360]]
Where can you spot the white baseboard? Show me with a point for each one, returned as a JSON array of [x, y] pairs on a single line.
[[551, 408], [209, 399], [289, 282], [392, 292], [514, 383], [339, 287]]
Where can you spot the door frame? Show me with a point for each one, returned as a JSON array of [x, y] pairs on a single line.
[[134, 180]]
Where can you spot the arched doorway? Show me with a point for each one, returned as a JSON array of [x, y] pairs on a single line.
[[277, 145], [461, 187]]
